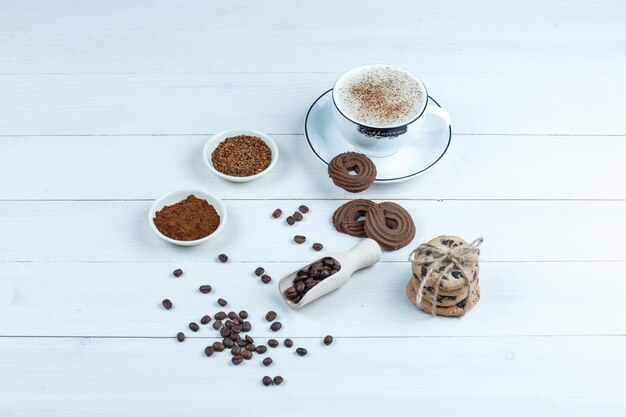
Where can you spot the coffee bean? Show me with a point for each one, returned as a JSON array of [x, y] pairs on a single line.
[[300, 287], [180, 336], [209, 351], [328, 340], [217, 324], [236, 350], [276, 326], [288, 343], [243, 314], [193, 326], [272, 343], [177, 272], [259, 271], [246, 326], [267, 361], [228, 342], [271, 316], [278, 380], [220, 315], [246, 354], [222, 302], [303, 209], [218, 346], [297, 216], [261, 349], [251, 347], [249, 339], [266, 279], [318, 247], [167, 304], [232, 315], [290, 220], [205, 289], [277, 213], [301, 351], [205, 319], [237, 359], [299, 239], [242, 342], [267, 381], [222, 258], [228, 323]]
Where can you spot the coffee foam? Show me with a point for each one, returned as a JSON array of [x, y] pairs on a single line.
[[379, 96]]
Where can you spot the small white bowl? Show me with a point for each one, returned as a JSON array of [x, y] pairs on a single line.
[[175, 197], [216, 139]]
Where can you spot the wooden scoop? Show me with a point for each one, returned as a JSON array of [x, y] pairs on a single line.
[[364, 254]]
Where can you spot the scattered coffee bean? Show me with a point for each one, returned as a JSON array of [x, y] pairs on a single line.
[[277, 213], [301, 351], [297, 216], [218, 346], [272, 343], [251, 347], [288, 343], [177, 272], [278, 380], [237, 359], [205, 319], [267, 361], [311, 276], [236, 350], [222, 302], [271, 316], [222, 258], [318, 247], [242, 342], [303, 209], [259, 271], [261, 349], [205, 289], [232, 315], [180, 336], [243, 314], [290, 220], [266, 279], [328, 340], [276, 326], [228, 343], [209, 351], [167, 304], [228, 323], [299, 239], [217, 324], [220, 315], [249, 339], [246, 326], [246, 354], [267, 381], [193, 326]]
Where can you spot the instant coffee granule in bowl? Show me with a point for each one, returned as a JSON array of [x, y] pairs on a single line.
[[190, 219], [241, 156]]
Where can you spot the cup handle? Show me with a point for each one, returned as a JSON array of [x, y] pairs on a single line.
[[435, 112]]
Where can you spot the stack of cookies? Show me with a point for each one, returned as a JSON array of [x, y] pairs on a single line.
[[445, 276]]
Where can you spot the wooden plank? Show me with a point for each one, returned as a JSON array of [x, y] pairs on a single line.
[[119, 231], [604, 19], [124, 300], [96, 168], [517, 376], [91, 104]]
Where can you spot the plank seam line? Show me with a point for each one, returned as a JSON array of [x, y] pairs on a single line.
[[301, 134], [321, 336]]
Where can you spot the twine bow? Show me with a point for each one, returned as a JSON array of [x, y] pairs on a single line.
[[452, 257]]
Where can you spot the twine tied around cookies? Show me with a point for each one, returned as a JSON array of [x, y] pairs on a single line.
[[452, 257]]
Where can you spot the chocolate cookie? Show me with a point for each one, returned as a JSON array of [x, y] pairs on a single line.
[[342, 167], [390, 225], [444, 300], [453, 281], [349, 218], [456, 310]]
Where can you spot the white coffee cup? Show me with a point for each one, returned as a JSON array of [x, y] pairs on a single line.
[[378, 139]]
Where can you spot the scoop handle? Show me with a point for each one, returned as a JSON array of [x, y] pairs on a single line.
[[365, 253]]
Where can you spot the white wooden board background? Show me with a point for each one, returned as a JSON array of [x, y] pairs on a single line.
[[104, 106]]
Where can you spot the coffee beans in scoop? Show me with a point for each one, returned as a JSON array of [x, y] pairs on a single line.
[[309, 277]]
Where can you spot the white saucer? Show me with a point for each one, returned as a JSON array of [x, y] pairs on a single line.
[[326, 142]]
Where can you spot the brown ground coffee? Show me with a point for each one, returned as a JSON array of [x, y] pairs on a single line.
[[241, 156], [189, 219]]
